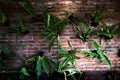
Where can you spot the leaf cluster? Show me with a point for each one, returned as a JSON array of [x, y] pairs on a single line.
[[109, 32], [53, 28], [97, 16], [43, 64], [3, 18], [28, 8], [97, 53], [21, 29], [84, 30]]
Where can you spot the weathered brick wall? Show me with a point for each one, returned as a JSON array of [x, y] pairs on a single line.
[[37, 40]]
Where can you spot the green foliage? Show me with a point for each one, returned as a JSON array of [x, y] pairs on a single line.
[[3, 18], [43, 63], [84, 30], [67, 60], [97, 16], [22, 29], [97, 53], [108, 32], [24, 71], [28, 8], [10, 74], [5, 51], [67, 56], [54, 27], [14, 74]]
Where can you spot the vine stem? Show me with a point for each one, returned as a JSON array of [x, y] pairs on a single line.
[[65, 78], [58, 42]]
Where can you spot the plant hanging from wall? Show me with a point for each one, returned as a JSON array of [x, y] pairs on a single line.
[[3, 18], [53, 29], [97, 16], [66, 63], [97, 52], [84, 30], [22, 29], [29, 9], [108, 32], [42, 64]]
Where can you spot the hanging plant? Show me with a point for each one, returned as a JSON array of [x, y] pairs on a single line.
[[53, 28], [66, 62], [42, 64], [108, 32], [84, 30], [29, 9], [97, 53], [22, 29], [97, 16], [3, 18]]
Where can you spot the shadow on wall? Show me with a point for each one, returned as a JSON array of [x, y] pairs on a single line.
[[102, 75], [118, 53]]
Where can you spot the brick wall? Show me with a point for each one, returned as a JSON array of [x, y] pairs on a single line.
[[36, 40]]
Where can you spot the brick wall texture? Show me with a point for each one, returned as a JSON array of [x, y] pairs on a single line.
[[36, 40]]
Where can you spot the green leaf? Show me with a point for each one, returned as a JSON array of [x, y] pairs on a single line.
[[89, 54], [10, 30], [25, 8], [58, 39], [3, 18], [69, 45], [60, 67], [45, 65], [22, 26], [38, 66], [32, 58], [95, 45], [65, 63], [28, 8], [100, 52], [84, 23], [51, 42], [24, 71], [19, 20], [6, 49], [51, 62], [48, 21]]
